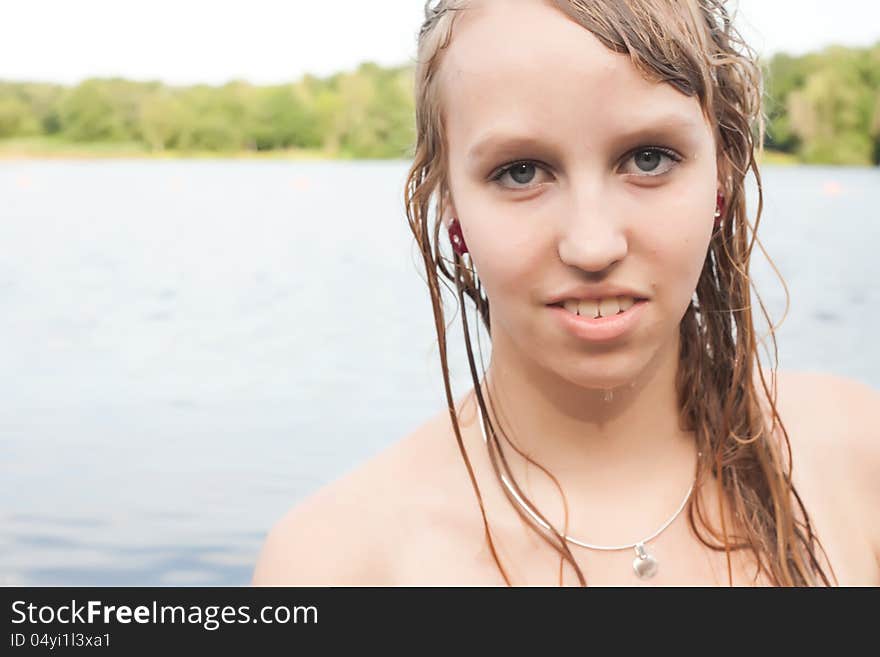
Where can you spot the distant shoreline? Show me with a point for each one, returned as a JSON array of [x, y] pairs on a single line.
[[44, 149]]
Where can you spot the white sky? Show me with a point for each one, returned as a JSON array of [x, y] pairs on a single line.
[[272, 41]]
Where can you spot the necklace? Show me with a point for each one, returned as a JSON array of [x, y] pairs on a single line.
[[645, 564]]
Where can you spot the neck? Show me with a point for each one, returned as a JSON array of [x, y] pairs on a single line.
[[621, 447]]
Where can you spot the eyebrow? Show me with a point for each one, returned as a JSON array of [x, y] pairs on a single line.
[[508, 141]]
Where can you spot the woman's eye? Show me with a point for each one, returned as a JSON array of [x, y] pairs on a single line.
[[650, 161], [647, 161], [522, 174]]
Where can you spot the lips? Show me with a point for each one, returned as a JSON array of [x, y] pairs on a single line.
[[600, 329]]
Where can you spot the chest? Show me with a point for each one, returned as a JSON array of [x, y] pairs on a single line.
[[450, 559], [453, 552], [446, 542]]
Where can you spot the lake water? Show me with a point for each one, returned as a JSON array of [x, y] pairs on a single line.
[[178, 339]]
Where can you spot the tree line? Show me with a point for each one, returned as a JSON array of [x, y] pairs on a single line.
[[822, 107], [367, 113]]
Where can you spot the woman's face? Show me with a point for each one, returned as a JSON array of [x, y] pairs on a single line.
[[569, 171]]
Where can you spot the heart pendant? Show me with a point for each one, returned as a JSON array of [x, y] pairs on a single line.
[[644, 564]]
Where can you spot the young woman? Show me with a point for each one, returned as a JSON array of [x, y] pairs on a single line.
[[588, 159]]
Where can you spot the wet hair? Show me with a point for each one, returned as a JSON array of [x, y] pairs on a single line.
[[694, 46]]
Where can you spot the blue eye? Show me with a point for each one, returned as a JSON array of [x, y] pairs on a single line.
[[522, 173], [649, 160]]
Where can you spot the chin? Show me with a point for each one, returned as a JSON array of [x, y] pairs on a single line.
[[617, 381], [621, 368], [592, 375]]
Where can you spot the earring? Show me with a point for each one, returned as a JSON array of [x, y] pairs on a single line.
[[457, 238], [719, 209]]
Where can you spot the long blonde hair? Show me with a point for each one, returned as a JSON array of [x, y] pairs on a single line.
[[694, 46]]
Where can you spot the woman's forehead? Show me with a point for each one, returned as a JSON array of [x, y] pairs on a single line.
[[532, 66], [526, 33]]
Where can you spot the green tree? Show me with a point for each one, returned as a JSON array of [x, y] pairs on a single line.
[[377, 117], [87, 113], [213, 119], [42, 102], [783, 75], [16, 118], [163, 121], [282, 118], [875, 128], [832, 113]]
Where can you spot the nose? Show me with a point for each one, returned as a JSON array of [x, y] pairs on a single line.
[[593, 236]]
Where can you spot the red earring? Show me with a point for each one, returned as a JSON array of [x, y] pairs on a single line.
[[719, 209], [457, 238]]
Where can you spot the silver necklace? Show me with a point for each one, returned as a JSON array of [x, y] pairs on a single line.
[[645, 564]]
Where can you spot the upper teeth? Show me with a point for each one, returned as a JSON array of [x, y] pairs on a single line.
[[599, 307]]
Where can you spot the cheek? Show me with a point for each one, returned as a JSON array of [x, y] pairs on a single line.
[[504, 247], [678, 247], [507, 263]]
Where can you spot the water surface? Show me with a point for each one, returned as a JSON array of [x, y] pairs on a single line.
[[192, 347]]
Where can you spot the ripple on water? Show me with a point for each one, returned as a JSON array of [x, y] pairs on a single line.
[[825, 316]]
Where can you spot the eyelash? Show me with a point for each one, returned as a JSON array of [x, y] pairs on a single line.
[[668, 152]]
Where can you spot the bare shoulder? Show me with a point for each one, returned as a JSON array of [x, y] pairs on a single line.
[[837, 421], [318, 543], [349, 531], [847, 410]]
